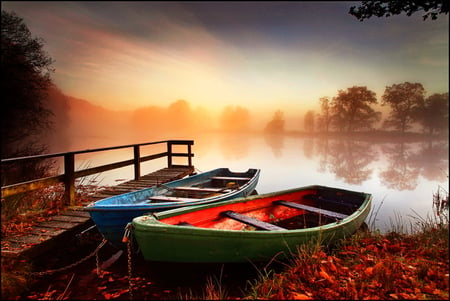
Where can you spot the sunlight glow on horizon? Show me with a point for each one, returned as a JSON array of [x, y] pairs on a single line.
[[159, 55]]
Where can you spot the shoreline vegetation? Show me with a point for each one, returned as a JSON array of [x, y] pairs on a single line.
[[403, 263], [400, 264]]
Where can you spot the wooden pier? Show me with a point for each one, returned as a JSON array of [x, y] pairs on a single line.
[[46, 235]]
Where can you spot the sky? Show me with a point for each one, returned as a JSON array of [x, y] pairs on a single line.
[[259, 55]]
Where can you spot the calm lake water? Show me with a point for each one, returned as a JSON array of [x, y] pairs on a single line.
[[401, 176]]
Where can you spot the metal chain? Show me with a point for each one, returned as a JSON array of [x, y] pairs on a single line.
[[127, 239], [130, 275], [97, 263], [48, 272]]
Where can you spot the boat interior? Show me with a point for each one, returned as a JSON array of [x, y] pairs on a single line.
[[299, 210], [209, 188]]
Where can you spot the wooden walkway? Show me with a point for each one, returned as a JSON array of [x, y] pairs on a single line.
[[46, 235]]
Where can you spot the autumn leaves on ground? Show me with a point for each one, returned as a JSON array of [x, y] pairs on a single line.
[[369, 265]]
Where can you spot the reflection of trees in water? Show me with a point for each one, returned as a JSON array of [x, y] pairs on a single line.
[[233, 146], [347, 159], [308, 147], [322, 149], [276, 143], [432, 160], [402, 172]]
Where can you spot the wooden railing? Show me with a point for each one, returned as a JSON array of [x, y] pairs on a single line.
[[69, 175]]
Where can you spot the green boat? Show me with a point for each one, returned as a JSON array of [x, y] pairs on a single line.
[[253, 228]]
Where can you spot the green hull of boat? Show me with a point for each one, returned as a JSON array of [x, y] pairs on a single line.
[[176, 243]]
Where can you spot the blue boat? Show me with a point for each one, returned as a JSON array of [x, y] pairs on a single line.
[[112, 214]]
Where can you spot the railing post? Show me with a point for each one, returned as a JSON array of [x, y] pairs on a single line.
[[169, 154], [189, 155], [137, 162], [69, 178]]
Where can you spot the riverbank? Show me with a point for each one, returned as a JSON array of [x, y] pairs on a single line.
[[366, 266], [399, 264]]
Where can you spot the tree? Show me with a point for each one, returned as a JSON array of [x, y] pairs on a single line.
[[179, 113], [404, 100], [308, 121], [433, 113], [351, 111], [25, 117], [276, 125], [387, 8], [25, 81], [235, 118], [324, 119]]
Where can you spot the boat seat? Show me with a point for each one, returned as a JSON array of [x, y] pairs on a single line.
[[319, 198], [171, 199], [200, 189], [250, 221], [231, 178], [311, 209]]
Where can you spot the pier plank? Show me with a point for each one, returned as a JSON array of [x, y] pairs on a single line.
[[46, 235]]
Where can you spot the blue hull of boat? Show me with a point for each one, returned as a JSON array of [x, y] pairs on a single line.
[[111, 215]]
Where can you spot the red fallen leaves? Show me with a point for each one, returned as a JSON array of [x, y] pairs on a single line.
[[372, 268]]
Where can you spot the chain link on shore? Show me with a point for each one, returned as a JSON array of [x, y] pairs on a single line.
[[127, 239], [49, 272]]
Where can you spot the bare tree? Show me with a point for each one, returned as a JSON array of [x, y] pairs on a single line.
[[404, 100], [351, 110]]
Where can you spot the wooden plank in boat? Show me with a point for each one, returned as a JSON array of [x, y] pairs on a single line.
[[207, 189], [319, 198], [250, 221], [171, 199], [231, 178], [311, 209]]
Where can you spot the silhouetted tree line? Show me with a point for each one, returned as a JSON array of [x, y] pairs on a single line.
[[351, 110], [25, 116]]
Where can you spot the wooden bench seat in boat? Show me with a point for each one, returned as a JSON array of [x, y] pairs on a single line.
[[231, 178], [250, 221], [201, 189], [170, 199], [321, 199], [311, 209]]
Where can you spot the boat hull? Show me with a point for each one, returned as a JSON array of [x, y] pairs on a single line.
[[159, 241], [112, 214]]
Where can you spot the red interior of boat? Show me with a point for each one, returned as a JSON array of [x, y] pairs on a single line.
[[262, 209]]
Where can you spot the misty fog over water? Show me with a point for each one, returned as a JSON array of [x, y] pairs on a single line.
[[401, 176]]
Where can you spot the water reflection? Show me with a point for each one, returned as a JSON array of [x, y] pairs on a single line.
[[432, 159], [347, 159], [275, 142], [308, 147], [401, 175], [402, 172], [233, 146]]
